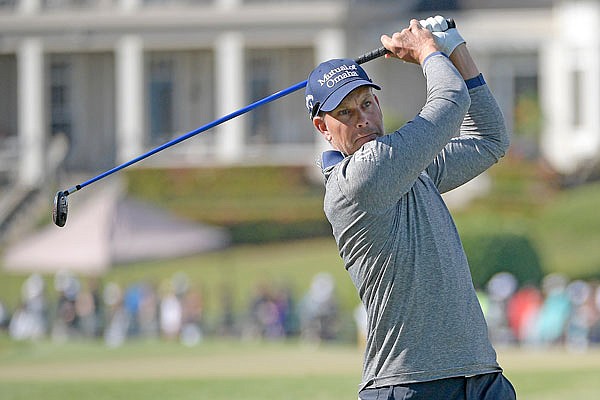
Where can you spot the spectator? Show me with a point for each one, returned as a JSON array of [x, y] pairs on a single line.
[[265, 315], [553, 315], [29, 321], [192, 308], [580, 322], [4, 317], [319, 309], [522, 311], [226, 325], [117, 318], [170, 314], [500, 288], [88, 309], [148, 312]]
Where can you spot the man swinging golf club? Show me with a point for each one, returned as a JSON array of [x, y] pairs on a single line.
[[426, 336]]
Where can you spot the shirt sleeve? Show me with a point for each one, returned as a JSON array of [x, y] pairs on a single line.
[[483, 140]]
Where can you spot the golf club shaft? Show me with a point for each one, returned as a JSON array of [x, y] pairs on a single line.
[[188, 135], [360, 60]]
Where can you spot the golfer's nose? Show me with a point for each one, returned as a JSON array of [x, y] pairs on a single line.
[[361, 119]]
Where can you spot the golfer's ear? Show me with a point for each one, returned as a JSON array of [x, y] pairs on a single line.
[[321, 126]]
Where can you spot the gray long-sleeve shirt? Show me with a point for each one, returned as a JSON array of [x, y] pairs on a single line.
[[399, 242]]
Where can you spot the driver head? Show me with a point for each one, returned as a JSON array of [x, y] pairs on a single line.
[[60, 209]]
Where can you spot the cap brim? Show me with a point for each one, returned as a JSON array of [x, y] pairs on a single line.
[[336, 97]]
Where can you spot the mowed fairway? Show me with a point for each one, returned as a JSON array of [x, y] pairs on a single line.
[[216, 370], [246, 370]]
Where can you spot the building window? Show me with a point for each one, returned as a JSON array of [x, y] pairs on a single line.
[[7, 4], [269, 71], [160, 90], [260, 64], [527, 114], [528, 117], [60, 98]]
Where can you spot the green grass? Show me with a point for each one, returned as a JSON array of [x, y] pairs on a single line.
[[569, 232], [562, 223], [246, 370], [307, 387], [154, 370], [552, 374]]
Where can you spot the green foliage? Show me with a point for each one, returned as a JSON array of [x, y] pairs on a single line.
[[562, 224], [490, 253], [568, 234], [271, 231], [257, 204]]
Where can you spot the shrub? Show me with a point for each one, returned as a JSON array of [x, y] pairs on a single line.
[[490, 253]]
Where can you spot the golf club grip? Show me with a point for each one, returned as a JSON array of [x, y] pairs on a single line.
[[382, 50], [371, 55]]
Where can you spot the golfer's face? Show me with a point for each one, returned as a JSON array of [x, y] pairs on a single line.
[[356, 121]]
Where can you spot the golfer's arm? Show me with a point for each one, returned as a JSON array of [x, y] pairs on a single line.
[[483, 140], [464, 63]]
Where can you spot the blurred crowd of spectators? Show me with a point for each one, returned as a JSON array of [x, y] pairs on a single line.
[[557, 311], [172, 311]]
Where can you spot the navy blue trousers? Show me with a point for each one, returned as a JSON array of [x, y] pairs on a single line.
[[480, 387]]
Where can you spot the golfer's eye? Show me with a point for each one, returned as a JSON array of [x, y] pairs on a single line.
[[343, 112]]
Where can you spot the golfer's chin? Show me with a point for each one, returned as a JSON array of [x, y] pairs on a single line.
[[365, 139]]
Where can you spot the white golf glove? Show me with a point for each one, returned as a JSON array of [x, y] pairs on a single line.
[[447, 39]]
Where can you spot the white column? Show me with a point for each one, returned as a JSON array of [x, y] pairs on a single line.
[[588, 62], [228, 4], [229, 58], [129, 98], [329, 43], [555, 99], [29, 6], [30, 60], [127, 6], [569, 143]]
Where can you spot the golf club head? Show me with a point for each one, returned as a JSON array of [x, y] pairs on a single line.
[[60, 209]]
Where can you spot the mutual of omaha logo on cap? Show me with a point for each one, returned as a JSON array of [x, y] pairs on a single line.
[[336, 75], [331, 81]]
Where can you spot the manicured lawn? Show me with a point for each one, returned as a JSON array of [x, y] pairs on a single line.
[[246, 370]]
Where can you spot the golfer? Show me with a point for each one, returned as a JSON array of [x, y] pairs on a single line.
[[427, 337]]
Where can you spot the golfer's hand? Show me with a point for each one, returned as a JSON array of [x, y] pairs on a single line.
[[412, 44], [447, 38]]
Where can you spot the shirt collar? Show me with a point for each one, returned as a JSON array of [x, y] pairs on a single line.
[[331, 157]]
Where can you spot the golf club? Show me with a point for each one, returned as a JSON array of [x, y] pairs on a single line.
[[61, 206]]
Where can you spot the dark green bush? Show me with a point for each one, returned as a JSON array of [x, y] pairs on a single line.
[[272, 231], [490, 253]]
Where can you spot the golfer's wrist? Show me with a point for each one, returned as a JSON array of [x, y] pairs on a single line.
[[462, 60], [427, 53], [435, 53]]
